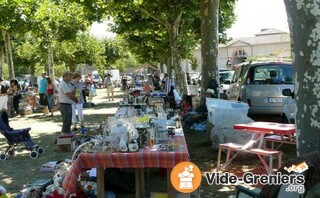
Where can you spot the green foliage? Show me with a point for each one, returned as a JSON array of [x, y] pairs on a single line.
[[127, 62], [94, 10], [226, 18], [148, 37], [39, 69], [112, 52], [27, 53], [59, 69], [117, 54], [16, 15], [144, 24], [81, 49], [5, 71], [194, 63], [59, 22]]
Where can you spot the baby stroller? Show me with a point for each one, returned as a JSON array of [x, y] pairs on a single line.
[[14, 137]]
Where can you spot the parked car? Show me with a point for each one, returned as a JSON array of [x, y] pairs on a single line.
[[225, 81], [288, 107], [260, 84], [97, 80], [199, 78]]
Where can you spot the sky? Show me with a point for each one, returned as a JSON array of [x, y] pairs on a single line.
[[252, 16], [100, 30]]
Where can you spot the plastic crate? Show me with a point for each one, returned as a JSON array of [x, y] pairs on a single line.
[[219, 110]]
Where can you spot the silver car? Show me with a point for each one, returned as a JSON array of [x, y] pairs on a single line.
[[260, 84]]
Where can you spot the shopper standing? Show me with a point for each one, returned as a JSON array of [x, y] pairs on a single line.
[[66, 99], [15, 92], [109, 86], [77, 86], [3, 95], [43, 93], [50, 95]]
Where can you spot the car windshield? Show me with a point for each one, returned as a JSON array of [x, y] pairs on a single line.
[[275, 74], [224, 76], [95, 76]]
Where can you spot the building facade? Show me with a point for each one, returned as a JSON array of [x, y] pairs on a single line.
[[267, 43]]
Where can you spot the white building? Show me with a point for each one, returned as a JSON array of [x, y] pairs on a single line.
[[267, 43]]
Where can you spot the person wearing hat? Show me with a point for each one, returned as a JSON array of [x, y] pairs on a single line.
[[66, 99], [3, 95], [43, 86]]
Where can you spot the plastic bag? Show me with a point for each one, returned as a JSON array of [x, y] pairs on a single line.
[[93, 91]]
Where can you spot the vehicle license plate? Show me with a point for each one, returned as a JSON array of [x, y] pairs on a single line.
[[275, 100]]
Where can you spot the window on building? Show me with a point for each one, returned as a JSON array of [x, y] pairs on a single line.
[[240, 53]]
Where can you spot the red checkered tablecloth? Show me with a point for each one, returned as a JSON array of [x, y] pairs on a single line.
[[142, 159]]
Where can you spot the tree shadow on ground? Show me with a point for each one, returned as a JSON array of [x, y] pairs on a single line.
[[90, 118], [14, 167]]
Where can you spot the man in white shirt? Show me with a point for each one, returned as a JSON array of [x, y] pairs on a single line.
[[66, 99]]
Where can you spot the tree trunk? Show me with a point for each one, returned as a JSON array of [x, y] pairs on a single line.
[[72, 65], [304, 25], [209, 11], [176, 59], [175, 62], [1, 62], [8, 49], [51, 63]]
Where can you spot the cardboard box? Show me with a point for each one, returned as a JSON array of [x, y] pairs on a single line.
[[65, 144]]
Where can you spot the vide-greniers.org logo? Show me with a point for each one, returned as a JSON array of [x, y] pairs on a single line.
[[186, 177], [293, 182]]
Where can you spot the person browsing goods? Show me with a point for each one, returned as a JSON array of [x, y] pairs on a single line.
[[42, 92], [66, 99], [3, 95], [109, 86]]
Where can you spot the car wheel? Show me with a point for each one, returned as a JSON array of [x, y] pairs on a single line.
[[284, 119]]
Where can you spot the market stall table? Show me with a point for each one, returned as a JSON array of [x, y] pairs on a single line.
[[144, 158], [263, 128], [258, 130]]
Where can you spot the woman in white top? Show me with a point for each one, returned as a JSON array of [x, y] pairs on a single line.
[[77, 85]]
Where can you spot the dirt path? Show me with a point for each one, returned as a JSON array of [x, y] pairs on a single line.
[[38, 123]]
